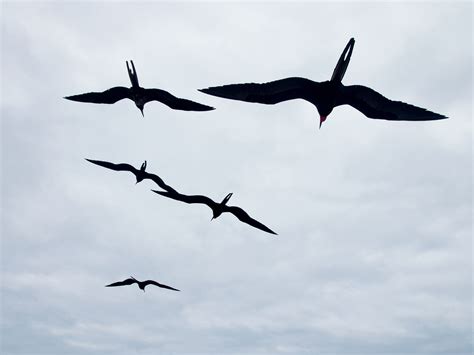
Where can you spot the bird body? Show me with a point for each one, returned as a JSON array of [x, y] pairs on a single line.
[[326, 95], [217, 208], [141, 284], [140, 174], [139, 95]]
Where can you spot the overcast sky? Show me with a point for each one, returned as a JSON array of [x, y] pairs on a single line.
[[374, 252]]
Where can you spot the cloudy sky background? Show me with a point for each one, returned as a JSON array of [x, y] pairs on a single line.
[[374, 252]]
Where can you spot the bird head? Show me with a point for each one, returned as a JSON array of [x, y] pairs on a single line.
[[321, 120], [140, 106], [215, 214], [324, 112]]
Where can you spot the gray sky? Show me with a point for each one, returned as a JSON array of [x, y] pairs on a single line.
[[374, 252]]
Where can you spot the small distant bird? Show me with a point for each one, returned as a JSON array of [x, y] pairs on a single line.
[[139, 95], [140, 174], [326, 95], [141, 284], [217, 208]]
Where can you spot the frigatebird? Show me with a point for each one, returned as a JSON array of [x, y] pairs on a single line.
[[326, 95], [140, 174], [217, 208], [139, 95], [141, 284]]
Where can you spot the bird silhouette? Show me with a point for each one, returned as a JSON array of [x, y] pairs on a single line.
[[141, 284], [326, 95], [139, 95], [140, 174], [217, 208]]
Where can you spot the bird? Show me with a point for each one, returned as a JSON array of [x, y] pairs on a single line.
[[140, 174], [326, 95], [217, 208], [141, 284], [139, 95]]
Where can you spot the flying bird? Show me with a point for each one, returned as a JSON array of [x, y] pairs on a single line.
[[217, 208], [140, 174], [141, 284], [139, 95], [326, 95]]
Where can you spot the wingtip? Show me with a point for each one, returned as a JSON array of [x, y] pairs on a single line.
[[159, 192], [207, 108]]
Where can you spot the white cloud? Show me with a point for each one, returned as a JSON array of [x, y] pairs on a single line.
[[374, 251]]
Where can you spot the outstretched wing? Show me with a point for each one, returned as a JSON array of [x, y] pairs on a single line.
[[151, 282], [244, 217], [123, 283], [159, 181], [268, 93], [174, 102], [187, 198], [112, 166], [109, 96], [374, 105]]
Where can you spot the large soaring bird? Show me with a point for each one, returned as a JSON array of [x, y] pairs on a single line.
[[326, 95], [139, 95], [141, 284], [140, 174], [217, 208]]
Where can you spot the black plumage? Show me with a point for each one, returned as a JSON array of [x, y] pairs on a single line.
[[139, 95], [217, 208], [141, 284], [326, 95], [140, 174]]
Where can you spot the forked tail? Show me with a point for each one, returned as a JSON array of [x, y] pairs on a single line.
[[226, 199], [343, 62], [132, 74]]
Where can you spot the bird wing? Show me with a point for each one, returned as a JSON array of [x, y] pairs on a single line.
[[109, 96], [267, 93], [159, 181], [244, 217], [151, 282], [187, 198], [112, 166], [122, 283], [174, 102], [374, 105]]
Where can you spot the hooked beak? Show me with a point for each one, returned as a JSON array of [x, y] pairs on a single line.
[[141, 110], [321, 120]]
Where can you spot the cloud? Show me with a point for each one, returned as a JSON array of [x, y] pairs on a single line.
[[374, 217]]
